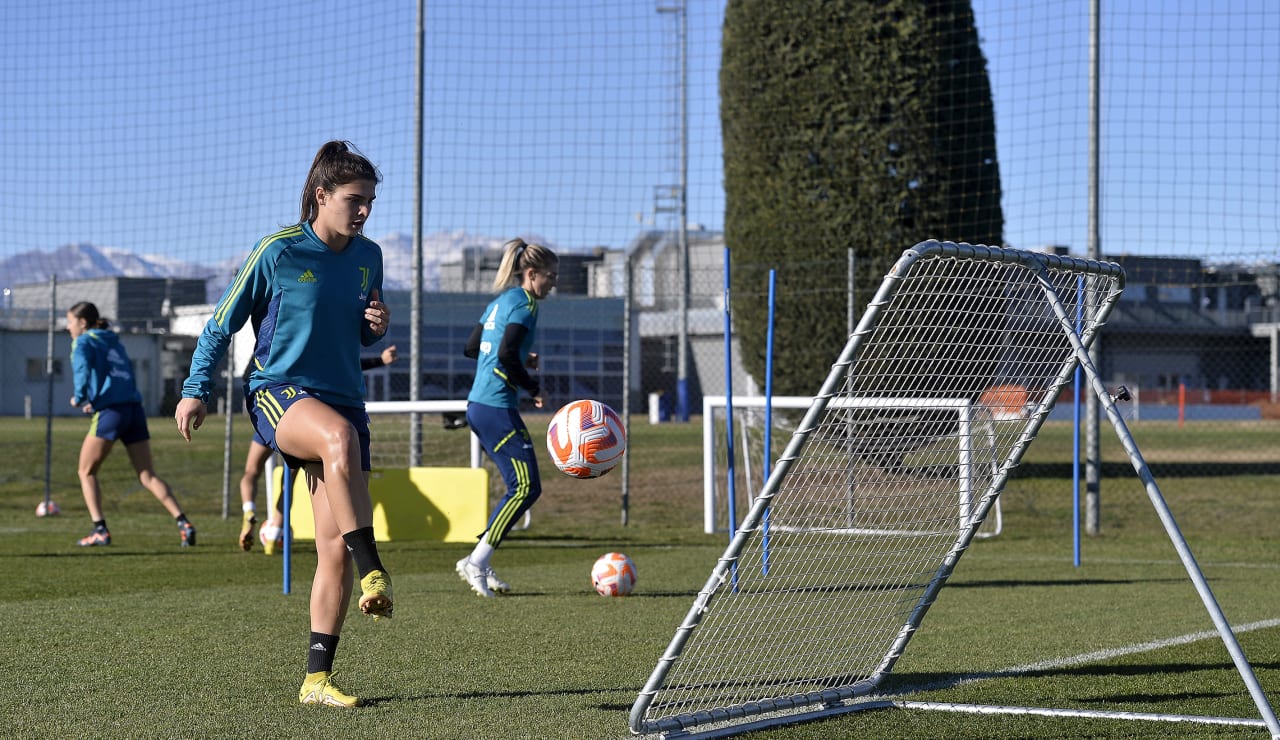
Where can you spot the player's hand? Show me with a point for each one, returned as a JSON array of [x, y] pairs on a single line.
[[531, 361], [378, 315], [389, 355], [87, 408], [190, 416], [537, 402]]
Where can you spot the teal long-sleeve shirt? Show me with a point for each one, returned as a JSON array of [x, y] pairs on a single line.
[[494, 384], [307, 304], [103, 374]]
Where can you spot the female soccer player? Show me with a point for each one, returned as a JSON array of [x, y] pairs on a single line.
[[104, 387], [255, 462], [500, 343], [312, 292]]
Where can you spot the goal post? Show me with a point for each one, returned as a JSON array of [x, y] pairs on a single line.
[[392, 438], [391, 428], [971, 440], [809, 619]]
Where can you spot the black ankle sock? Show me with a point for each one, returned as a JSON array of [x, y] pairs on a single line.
[[100, 525], [181, 518], [320, 653], [362, 548]]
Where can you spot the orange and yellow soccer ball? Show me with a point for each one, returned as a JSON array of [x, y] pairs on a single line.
[[613, 574], [586, 439]]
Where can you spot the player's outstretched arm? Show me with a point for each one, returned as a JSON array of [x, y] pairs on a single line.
[[190, 416]]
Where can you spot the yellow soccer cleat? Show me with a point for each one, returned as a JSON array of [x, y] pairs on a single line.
[[375, 599], [246, 531], [318, 688], [271, 537]]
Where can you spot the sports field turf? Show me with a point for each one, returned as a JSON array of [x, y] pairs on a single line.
[[144, 639]]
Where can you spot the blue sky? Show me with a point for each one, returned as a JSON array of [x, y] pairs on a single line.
[[185, 128]]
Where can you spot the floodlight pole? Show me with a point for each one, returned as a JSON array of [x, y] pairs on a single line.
[[415, 297], [1093, 447], [680, 8]]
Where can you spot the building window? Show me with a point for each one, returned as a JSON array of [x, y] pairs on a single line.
[[35, 368]]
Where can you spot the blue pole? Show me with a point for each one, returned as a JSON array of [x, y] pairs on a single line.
[[1075, 440], [728, 414], [286, 493], [768, 415]]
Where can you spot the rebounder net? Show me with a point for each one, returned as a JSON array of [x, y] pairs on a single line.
[[884, 483]]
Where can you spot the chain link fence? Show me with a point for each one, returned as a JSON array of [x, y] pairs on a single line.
[[601, 139]]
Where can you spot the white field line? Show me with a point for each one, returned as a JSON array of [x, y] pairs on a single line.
[[1086, 560], [1083, 659]]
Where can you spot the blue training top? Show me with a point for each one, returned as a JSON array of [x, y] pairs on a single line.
[[307, 305], [103, 374], [492, 387]]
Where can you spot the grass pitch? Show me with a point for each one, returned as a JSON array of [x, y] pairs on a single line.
[[145, 639]]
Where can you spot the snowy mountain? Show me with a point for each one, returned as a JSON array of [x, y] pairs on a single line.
[[84, 261], [81, 261]]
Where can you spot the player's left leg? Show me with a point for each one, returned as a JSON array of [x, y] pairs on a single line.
[[140, 456], [507, 440], [137, 442], [330, 594], [331, 588]]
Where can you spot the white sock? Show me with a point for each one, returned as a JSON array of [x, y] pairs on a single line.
[[480, 556], [247, 506]]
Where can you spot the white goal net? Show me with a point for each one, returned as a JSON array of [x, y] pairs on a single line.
[[946, 445], [888, 476]]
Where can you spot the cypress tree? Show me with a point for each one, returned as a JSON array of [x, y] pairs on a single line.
[[864, 124]]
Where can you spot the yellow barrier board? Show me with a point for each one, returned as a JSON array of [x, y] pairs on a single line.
[[440, 504]]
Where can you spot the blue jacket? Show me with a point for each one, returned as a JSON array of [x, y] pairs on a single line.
[[494, 384], [103, 374], [307, 305]]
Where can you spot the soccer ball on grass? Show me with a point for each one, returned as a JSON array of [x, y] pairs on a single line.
[[613, 574], [586, 439], [47, 508]]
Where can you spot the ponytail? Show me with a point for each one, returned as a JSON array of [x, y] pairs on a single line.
[[89, 312], [336, 163], [517, 256]]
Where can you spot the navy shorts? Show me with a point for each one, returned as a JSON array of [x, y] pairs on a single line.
[[248, 407], [126, 422], [269, 405]]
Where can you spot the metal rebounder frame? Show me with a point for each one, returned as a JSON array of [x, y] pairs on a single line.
[[803, 616]]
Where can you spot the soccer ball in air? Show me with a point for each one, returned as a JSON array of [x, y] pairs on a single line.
[[613, 574], [586, 439], [47, 508]]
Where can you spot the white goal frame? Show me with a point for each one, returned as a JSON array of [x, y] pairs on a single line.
[[429, 407], [796, 625], [963, 408], [476, 450], [374, 408]]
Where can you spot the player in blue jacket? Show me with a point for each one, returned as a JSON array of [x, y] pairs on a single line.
[[104, 387], [501, 345], [312, 292]]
